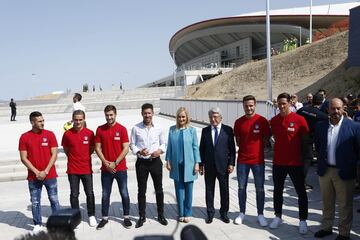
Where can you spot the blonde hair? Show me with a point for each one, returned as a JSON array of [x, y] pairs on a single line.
[[180, 110]]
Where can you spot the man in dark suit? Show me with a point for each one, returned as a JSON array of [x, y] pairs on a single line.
[[337, 143], [217, 152]]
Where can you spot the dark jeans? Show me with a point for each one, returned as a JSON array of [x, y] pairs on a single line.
[[13, 115], [297, 177], [35, 188], [309, 156], [107, 179], [258, 171], [210, 178], [87, 182], [143, 168]]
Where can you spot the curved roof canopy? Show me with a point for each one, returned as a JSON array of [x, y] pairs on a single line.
[[202, 37]]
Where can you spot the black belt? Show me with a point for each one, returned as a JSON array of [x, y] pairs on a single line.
[[331, 166], [147, 159]]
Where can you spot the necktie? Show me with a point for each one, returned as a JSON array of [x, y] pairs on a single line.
[[216, 135]]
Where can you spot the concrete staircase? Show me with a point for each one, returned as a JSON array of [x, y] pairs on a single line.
[[14, 169]]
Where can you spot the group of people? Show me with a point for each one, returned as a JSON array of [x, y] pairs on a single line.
[[337, 142]]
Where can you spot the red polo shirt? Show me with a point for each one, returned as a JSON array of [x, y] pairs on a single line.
[[287, 133], [38, 147], [251, 133], [111, 139], [78, 145]]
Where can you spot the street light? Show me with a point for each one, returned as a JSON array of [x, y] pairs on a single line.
[[268, 53], [310, 38]]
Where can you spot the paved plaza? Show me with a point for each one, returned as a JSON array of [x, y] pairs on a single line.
[[15, 209]]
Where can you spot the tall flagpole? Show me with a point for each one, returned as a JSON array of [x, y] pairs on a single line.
[[268, 51]]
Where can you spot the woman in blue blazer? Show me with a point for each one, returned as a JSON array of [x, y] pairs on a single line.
[[182, 160]]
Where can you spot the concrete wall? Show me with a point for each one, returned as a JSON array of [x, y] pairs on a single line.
[[354, 37], [198, 109]]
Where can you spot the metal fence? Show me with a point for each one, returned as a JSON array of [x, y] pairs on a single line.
[[198, 109]]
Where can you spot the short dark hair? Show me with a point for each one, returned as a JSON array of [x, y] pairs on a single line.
[[284, 95], [109, 108], [322, 90], [78, 112], [147, 106], [248, 98], [34, 115], [78, 96], [317, 99]]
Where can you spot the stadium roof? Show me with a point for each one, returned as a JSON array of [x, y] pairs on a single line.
[[202, 37]]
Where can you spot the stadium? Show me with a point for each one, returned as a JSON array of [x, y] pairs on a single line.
[[211, 47]]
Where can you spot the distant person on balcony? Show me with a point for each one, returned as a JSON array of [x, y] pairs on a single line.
[[12, 105], [309, 98]]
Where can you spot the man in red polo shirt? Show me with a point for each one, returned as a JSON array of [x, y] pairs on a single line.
[[289, 130], [252, 133], [78, 144], [38, 152], [112, 145]]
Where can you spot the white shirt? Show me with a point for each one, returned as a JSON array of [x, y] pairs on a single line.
[[78, 106], [332, 137], [213, 132], [150, 138]]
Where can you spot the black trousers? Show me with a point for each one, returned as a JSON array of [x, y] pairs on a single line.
[[87, 181], [210, 177], [13, 115], [154, 167], [298, 179]]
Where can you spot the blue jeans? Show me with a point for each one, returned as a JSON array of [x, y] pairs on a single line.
[[35, 187], [258, 171], [183, 191], [107, 179]]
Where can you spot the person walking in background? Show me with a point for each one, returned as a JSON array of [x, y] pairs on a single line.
[[289, 130], [78, 144], [252, 133], [309, 99], [337, 143], [148, 143], [112, 146], [217, 151], [12, 105], [38, 152], [182, 160]]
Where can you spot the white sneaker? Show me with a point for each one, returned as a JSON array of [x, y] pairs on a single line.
[[239, 220], [37, 229], [276, 222], [92, 221], [303, 227], [262, 220]]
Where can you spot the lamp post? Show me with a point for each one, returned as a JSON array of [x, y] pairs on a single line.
[[268, 49], [310, 37]]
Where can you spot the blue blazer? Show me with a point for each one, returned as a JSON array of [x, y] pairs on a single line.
[[222, 154], [347, 148], [191, 153]]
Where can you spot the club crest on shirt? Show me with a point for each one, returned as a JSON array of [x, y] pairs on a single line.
[[256, 128], [44, 142], [292, 124], [86, 140], [117, 138], [291, 127]]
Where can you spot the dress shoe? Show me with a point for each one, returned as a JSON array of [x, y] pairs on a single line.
[[341, 237], [140, 222], [225, 218], [322, 233], [209, 220], [162, 220]]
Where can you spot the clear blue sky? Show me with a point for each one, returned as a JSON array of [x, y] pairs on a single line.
[[49, 46]]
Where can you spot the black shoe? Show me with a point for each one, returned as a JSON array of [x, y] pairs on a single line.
[[162, 220], [127, 223], [225, 218], [209, 220], [308, 187], [140, 222], [102, 224], [341, 237], [322, 233]]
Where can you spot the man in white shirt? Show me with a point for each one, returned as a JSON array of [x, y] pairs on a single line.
[[148, 143], [77, 104]]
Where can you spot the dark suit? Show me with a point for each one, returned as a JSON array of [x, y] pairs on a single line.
[[215, 160], [338, 181]]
